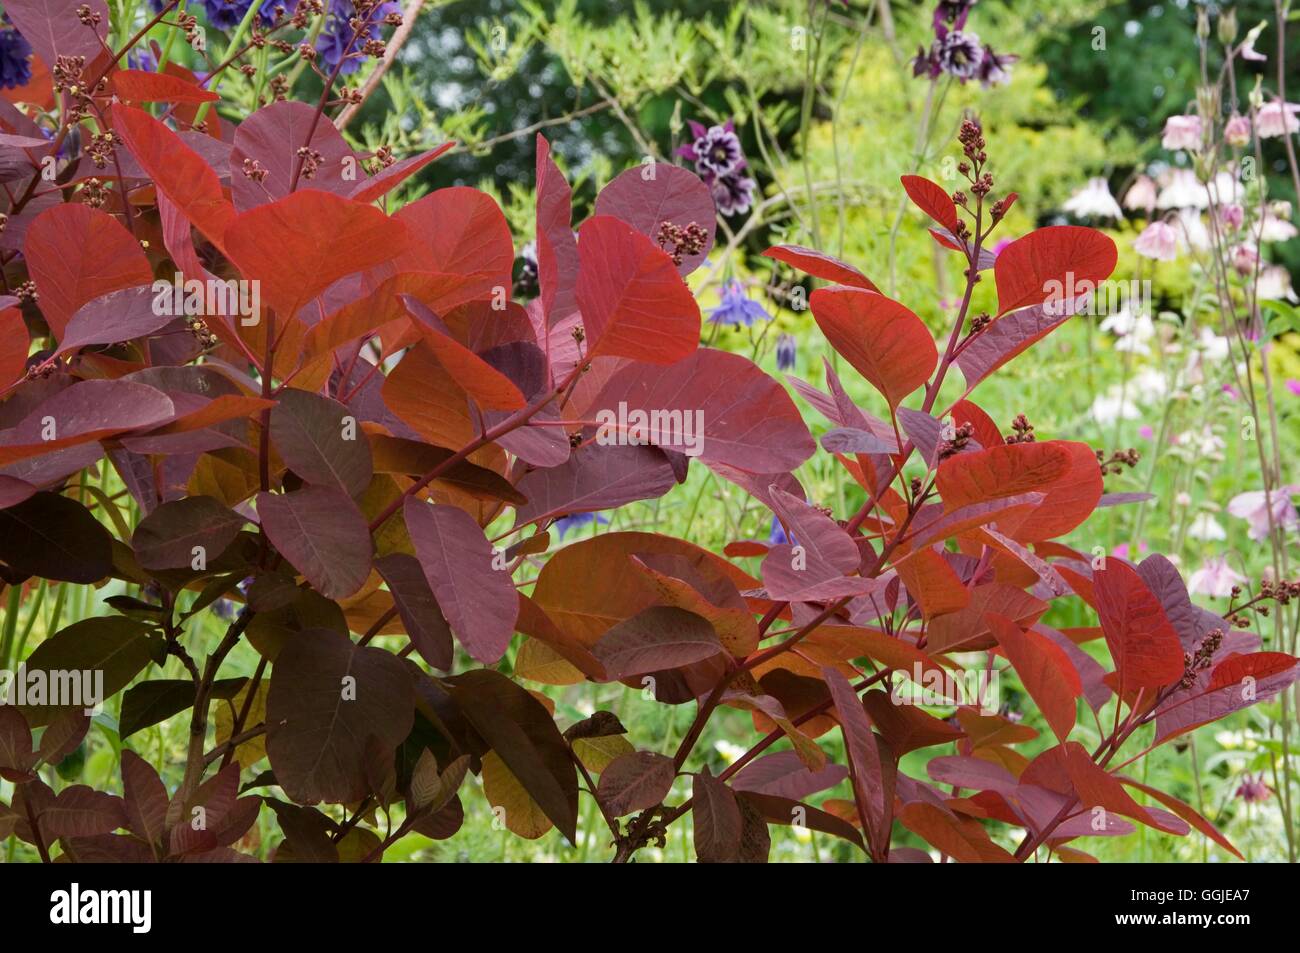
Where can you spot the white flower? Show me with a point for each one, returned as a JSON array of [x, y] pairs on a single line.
[[1215, 578], [730, 752], [1254, 508], [1094, 200], [1114, 405], [1194, 233], [1133, 331], [1247, 49], [1274, 229], [1183, 499], [1277, 119], [1182, 132], [1275, 282], [1206, 527], [1214, 345], [1182, 190], [1141, 195], [1159, 241]]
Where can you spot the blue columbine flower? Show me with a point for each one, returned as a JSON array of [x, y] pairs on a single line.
[[142, 60], [574, 520], [337, 36], [777, 535], [228, 14], [736, 308], [786, 352], [15, 60]]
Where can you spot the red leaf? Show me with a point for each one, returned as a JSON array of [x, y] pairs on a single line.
[[670, 194], [1068, 500], [884, 341], [1142, 643], [557, 249], [477, 599], [1057, 263], [873, 776], [1045, 671], [1237, 668], [75, 254], [121, 315], [491, 389], [821, 265], [1007, 337], [932, 200], [177, 171], [461, 231], [310, 432], [141, 86], [931, 581], [14, 345], [271, 137], [717, 822], [633, 301], [999, 472], [749, 420], [300, 245], [388, 179]]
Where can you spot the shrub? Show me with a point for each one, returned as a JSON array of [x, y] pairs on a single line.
[[318, 407]]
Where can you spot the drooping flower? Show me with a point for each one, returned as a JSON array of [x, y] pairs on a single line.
[[141, 59], [952, 13], [1277, 119], [1237, 131], [340, 39], [574, 520], [1256, 507], [1094, 201], [1182, 132], [1193, 231], [1244, 258], [1247, 49], [733, 194], [1206, 527], [736, 308], [786, 352], [15, 59], [958, 54], [1158, 241], [715, 150], [1252, 789], [995, 68], [1215, 578], [1183, 190], [1274, 228], [1275, 282], [1141, 195], [1232, 216], [228, 14]]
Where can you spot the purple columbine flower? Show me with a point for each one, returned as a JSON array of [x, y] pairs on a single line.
[[736, 308], [786, 351], [952, 13], [777, 535], [15, 60], [733, 194], [227, 14], [574, 520], [141, 59]]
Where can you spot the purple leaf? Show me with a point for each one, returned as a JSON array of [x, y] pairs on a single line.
[[321, 441], [1007, 337], [873, 775], [670, 194], [418, 608], [783, 774], [654, 640], [168, 537], [53, 28], [477, 599], [595, 478], [322, 534], [115, 317]]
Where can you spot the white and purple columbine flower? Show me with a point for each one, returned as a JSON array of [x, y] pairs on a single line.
[[1255, 505], [715, 150], [733, 194]]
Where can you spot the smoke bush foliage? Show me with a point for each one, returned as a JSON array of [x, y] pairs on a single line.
[[334, 415]]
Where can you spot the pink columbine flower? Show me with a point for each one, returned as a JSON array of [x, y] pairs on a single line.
[[1158, 240], [1277, 119], [1254, 507], [1237, 131], [1232, 216], [1182, 132], [1146, 433], [1141, 195], [1215, 578], [1293, 386]]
